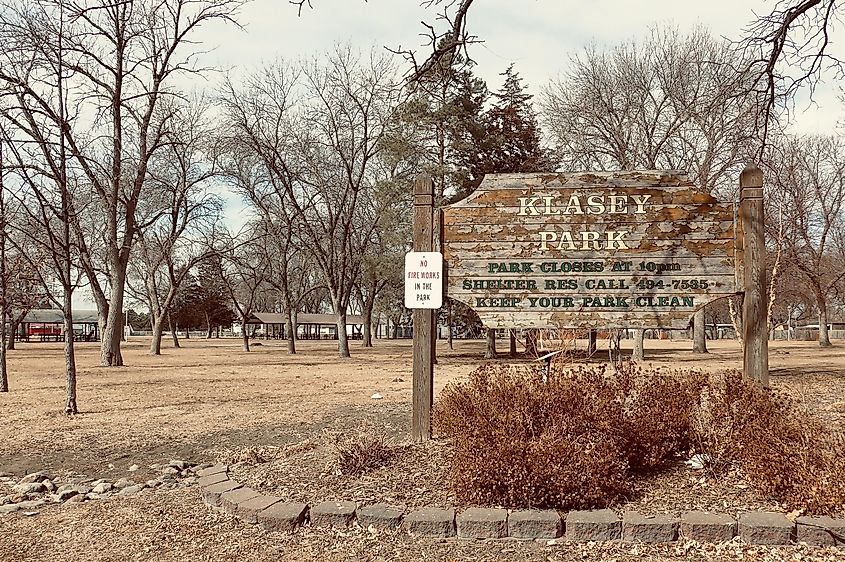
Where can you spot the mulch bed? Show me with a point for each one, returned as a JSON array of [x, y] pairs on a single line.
[[418, 475]]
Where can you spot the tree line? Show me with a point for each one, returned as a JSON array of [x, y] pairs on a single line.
[[115, 175]]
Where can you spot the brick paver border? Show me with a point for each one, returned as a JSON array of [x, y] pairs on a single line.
[[272, 514]]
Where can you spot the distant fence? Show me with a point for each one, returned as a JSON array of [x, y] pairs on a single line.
[[806, 334], [796, 334]]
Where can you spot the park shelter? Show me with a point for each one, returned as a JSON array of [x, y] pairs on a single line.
[[47, 324], [308, 325]]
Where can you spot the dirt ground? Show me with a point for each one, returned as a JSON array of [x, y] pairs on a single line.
[[210, 402]]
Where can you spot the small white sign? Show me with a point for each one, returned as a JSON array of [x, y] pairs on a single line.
[[423, 279]]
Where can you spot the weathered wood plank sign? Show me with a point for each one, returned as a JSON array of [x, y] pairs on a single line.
[[597, 249], [615, 249]]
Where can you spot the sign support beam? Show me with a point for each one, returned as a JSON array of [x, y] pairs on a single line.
[[424, 324], [754, 307]]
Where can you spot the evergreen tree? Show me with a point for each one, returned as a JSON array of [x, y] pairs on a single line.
[[468, 134], [503, 138], [441, 122], [512, 143], [202, 302]]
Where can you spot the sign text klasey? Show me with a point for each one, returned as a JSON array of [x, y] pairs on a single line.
[[607, 249], [423, 279]]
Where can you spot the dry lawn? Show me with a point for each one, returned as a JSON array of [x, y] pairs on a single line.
[[210, 401]]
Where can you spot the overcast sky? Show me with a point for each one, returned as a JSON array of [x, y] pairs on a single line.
[[537, 35]]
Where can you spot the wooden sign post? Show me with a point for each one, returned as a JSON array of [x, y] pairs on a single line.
[[425, 232], [754, 307]]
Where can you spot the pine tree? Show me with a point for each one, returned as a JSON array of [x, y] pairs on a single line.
[[504, 138], [513, 143], [442, 124], [467, 136]]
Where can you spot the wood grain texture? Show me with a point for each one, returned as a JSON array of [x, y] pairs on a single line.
[[425, 232], [754, 306], [618, 222]]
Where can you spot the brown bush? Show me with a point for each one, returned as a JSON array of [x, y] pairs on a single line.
[[785, 452], [579, 440], [568, 443], [659, 415], [364, 450]]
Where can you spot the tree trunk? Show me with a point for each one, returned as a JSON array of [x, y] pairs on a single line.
[[187, 333], [531, 336], [342, 339], [173, 331], [639, 352], [490, 351], [699, 334], [110, 354], [614, 352], [209, 329], [824, 336], [158, 330], [102, 322], [4, 376], [735, 312], [449, 323], [512, 342], [13, 330], [592, 340], [290, 326], [368, 323], [244, 333], [70, 357]]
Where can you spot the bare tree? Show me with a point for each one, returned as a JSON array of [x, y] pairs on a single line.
[[123, 57], [41, 168], [810, 176], [317, 133], [381, 268], [23, 289], [444, 43], [4, 303], [287, 271], [788, 49], [352, 103], [244, 275], [260, 161], [670, 101], [183, 217]]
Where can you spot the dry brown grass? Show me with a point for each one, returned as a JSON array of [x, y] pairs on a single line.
[[210, 397]]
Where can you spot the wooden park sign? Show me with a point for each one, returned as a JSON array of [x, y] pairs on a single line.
[[641, 249], [632, 249]]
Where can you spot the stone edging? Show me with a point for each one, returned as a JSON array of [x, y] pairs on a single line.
[[272, 514]]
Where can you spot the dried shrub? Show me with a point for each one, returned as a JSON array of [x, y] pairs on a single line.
[[569, 443], [659, 415], [362, 451], [785, 452], [521, 442], [578, 441]]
